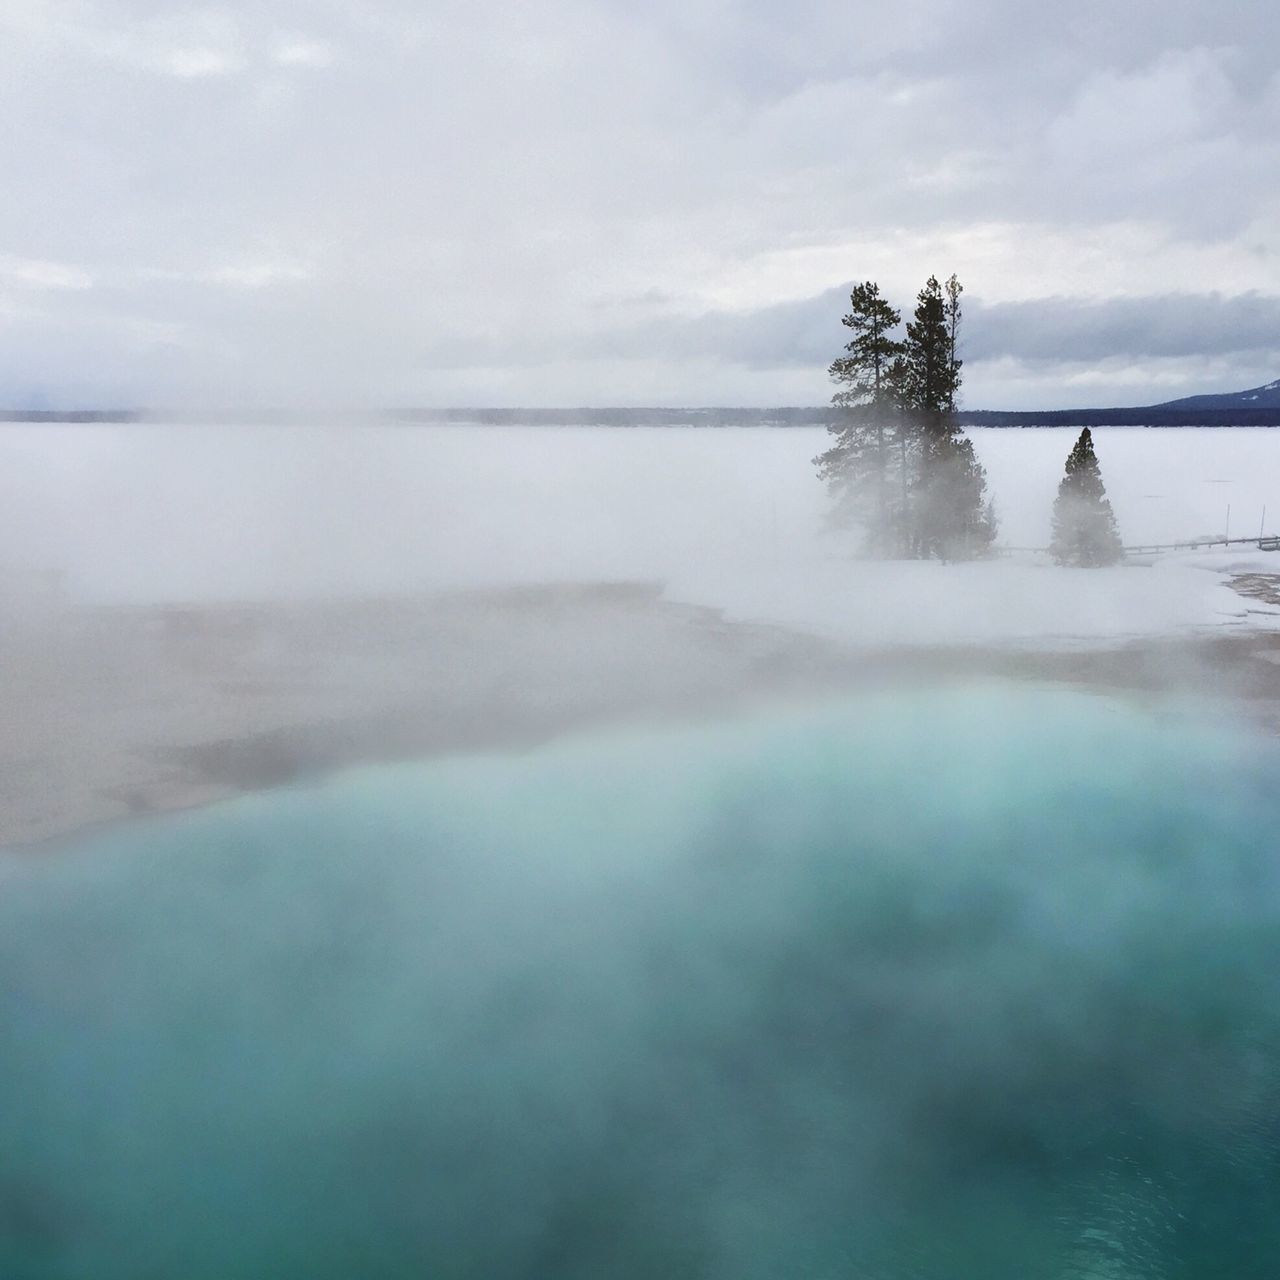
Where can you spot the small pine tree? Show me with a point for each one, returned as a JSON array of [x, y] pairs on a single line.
[[1084, 526]]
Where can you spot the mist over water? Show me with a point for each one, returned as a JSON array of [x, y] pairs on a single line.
[[979, 983], [181, 512]]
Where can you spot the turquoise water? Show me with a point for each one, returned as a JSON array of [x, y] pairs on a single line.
[[978, 984]]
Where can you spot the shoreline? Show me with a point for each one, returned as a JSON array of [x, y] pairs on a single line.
[[117, 715]]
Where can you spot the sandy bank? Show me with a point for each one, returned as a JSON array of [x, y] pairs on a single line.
[[109, 714]]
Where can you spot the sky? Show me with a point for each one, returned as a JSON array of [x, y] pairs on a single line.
[[390, 203]]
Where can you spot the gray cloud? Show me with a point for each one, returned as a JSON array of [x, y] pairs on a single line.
[[1044, 337], [1170, 326], [1063, 330], [388, 202]]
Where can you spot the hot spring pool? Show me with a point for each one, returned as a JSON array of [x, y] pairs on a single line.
[[976, 984]]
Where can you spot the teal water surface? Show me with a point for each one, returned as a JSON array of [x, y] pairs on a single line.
[[975, 984]]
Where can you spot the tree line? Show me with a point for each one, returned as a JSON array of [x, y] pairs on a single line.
[[900, 466]]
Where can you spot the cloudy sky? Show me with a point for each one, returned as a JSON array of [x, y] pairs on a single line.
[[383, 202]]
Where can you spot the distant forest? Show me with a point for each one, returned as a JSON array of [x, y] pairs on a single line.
[[820, 415], [788, 416]]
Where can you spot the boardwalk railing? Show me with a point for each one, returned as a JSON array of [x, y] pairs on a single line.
[[1269, 542]]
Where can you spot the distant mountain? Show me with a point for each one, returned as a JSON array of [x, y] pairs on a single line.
[[1258, 407], [1267, 397]]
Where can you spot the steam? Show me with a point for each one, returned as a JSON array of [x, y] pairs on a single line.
[[156, 513]]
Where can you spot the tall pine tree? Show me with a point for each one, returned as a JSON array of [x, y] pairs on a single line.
[[900, 465], [932, 376], [951, 314], [1084, 526], [952, 517], [859, 465]]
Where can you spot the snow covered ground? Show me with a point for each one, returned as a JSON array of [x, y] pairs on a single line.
[[732, 518]]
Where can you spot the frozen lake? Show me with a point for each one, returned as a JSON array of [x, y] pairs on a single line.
[[731, 517]]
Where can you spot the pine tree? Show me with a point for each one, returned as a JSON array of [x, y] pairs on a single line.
[[900, 465], [1084, 526], [951, 314], [933, 377], [952, 517], [858, 467], [957, 520]]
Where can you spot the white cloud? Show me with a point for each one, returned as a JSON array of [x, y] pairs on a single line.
[[1182, 96], [196, 64], [258, 275], [185, 44], [30, 273], [238, 273], [296, 52]]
